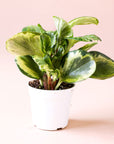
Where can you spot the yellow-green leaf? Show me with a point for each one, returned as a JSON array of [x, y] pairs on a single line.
[[86, 38], [84, 21], [28, 67], [25, 43], [88, 46], [33, 28], [77, 65], [63, 28], [104, 66]]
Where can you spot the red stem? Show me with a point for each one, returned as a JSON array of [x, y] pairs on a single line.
[[45, 81], [49, 82]]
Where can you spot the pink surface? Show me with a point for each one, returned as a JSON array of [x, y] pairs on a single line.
[[92, 112]]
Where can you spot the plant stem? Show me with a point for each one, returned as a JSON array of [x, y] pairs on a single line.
[[54, 84], [45, 81], [41, 82], [52, 88], [58, 84], [49, 82]]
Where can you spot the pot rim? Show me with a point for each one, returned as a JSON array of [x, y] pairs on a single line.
[[52, 90]]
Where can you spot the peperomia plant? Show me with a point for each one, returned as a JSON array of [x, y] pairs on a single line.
[[46, 56]]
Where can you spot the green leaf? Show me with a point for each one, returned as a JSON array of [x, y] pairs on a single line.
[[83, 21], [77, 65], [33, 28], [56, 61], [63, 28], [28, 67], [53, 36], [41, 29], [71, 43], [86, 38], [43, 63], [47, 59], [25, 43], [61, 51], [46, 65], [46, 43], [104, 66], [88, 46]]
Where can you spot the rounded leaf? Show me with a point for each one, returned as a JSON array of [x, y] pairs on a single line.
[[77, 65], [104, 66], [25, 43], [28, 67]]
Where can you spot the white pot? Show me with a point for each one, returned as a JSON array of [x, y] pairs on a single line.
[[50, 108]]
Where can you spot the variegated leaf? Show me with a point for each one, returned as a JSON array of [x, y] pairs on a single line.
[[46, 43], [86, 38], [28, 67], [25, 43], [104, 66], [83, 21], [77, 65], [53, 36], [63, 28], [34, 28], [43, 64], [88, 46], [46, 65]]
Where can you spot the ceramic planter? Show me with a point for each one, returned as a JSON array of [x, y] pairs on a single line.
[[50, 108]]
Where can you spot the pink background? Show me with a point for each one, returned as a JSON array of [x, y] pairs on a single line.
[[92, 112]]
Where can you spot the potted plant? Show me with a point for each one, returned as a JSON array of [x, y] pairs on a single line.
[[46, 56]]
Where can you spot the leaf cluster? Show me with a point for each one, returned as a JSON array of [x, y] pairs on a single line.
[[47, 56]]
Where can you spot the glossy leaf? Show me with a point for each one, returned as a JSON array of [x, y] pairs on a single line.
[[56, 61], [25, 43], [61, 51], [33, 28], [77, 65], [28, 67], [83, 21], [47, 59], [53, 36], [43, 64], [71, 43], [46, 65], [104, 66], [64, 47], [88, 46], [41, 29], [86, 38], [46, 43], [63, 28]]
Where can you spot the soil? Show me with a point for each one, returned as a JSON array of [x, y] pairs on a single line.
[[36, 84]]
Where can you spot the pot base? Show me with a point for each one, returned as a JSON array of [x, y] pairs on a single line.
[[50, 129]]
